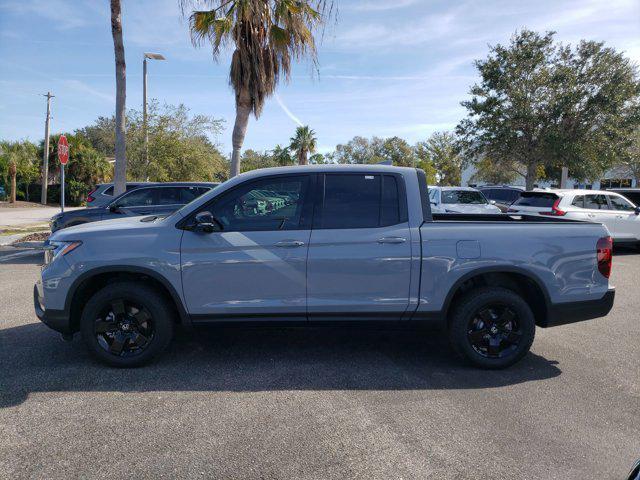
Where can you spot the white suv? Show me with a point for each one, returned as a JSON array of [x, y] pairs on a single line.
[[618, 214]]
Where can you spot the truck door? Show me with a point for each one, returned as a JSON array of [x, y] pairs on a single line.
[[359, 261], [255, 267]]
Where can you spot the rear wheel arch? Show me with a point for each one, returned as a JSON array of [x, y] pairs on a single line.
[[522, 282]]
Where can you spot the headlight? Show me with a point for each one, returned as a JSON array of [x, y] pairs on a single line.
[[55, 249]]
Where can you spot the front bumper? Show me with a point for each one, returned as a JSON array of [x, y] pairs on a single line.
[[571, 312], [58, 320]]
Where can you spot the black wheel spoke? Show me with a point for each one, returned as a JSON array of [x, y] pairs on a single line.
[[506, 317], [117, 306], [104, 326], [118, 344], [486, 316], [477, 336], [142, 316], [139, 340], [493, 348], [513, 338]]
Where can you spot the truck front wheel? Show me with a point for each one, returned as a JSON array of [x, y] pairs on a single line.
[[492, 327], [126, 324]]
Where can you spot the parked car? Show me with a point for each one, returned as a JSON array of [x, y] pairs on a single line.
[[323, 243], [502, 195], [460, 200], [618, 214], [632, 194], [150, 199], [102, 194]]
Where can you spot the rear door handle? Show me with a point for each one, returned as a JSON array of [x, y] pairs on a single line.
[[392, 240], [289, 244]]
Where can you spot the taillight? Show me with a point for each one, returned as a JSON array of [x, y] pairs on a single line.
[[555, 211], [604, 249], [90, 197]]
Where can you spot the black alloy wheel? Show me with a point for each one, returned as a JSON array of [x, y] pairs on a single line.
[[494, 331], [124, 328]]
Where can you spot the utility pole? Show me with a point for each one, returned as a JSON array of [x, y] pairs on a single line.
[[45, 157]]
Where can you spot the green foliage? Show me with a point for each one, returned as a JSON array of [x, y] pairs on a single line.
[[303, 143], [25, 156], [541, 104], [180, 145], [495, 173], [630, 159], [252, 160], [442, 151]]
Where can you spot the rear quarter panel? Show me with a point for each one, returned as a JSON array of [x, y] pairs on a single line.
[[562, 258]]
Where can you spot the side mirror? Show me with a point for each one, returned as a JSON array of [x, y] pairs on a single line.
[[637, 211], [492, 202], [113, 208], [205, 222]]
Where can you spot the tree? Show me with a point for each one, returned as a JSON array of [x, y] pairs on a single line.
[[180, 145], [441, 148], [252, 160], [23, 157], [395, 149], [303, 143], [494, 173], [542, 105], [630, 160], [282, 156], [120, 174], [267, 35]]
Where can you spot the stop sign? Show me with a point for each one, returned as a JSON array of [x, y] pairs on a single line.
[[63, 150]]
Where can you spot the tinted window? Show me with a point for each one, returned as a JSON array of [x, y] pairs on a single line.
[[634, 196], [595, 202], [463, 196], [536, 199], [169, 196], [270, 204], [351, 201], [619, 203], [138, 198], [391, 214], [578, 201], [191, 193], [109, 190]]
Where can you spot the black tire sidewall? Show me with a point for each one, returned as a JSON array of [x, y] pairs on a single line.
[[145, 296], [470, 304]]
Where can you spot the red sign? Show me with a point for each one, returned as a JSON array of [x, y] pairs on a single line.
[[63, 150]]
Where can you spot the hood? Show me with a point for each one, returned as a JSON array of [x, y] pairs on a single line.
[[80, 212], [117, 226], [470, 208]]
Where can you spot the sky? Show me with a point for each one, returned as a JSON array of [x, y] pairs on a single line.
[[386, 67]]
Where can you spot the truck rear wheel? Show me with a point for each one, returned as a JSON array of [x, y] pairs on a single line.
[[492, 327], [126, 324]]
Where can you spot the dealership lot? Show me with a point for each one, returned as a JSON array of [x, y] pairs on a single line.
[[319, 403]]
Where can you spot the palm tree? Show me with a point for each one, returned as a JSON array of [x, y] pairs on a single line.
[[267, 35], [303, 143], [120, 170], [282, 156]]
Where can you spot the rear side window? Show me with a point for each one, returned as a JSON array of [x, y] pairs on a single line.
[[109, 191], [578, 201], [595, 202], [361, 201], [138, 198], [169, 196], [536, 199]]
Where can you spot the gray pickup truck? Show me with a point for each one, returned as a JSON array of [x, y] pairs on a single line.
[[319, 245]]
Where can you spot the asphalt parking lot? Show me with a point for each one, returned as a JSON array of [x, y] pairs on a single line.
[[319, 403]]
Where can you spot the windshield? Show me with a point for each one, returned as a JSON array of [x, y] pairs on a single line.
[[463, 196], [197, 199]]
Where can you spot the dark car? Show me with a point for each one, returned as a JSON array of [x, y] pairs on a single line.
[[632, 194], [502, 195], [102, 194], [151, 199]]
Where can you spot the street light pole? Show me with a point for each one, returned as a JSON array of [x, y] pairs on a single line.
[[153, 56]]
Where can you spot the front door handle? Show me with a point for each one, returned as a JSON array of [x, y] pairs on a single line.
[[392, 240], [290, 243]]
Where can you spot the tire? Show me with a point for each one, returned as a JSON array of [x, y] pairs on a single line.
[[127, 324], [492, 327]]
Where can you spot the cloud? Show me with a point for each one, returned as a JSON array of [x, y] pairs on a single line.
[[82, 87], [286, 110], [379, 5], [62, 14]]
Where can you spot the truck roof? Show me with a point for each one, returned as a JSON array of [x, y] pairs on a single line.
[[325, 168]]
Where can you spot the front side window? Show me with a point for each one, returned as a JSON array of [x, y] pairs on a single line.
[[188, 194], [138, 198], [619, 203], [463, 196], [595, 202], [264, 205], [169, 196]]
